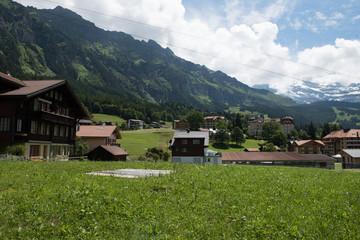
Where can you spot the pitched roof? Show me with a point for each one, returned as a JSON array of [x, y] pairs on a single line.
[[9, 79], [98, 131], [352, 133], [214, 117], [273, 156], [114, 150], [355, 153], [252, 150], [33, 87], [303, 142], [193, 134]]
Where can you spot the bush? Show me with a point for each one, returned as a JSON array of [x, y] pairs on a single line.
[[17, 150]]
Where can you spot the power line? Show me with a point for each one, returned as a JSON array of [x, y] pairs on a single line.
[[160, 29]]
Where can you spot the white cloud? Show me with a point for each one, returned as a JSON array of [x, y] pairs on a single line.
[[354, 19], [245, 48], [343, 57], [248, 12]]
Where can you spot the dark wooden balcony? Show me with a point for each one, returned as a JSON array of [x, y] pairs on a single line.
[[53, 117]]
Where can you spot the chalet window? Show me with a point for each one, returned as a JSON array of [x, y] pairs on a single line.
[[67, 132], [47, 129], [56, 130], [34, 127], [196, 141], [184, 150], [184, 141], [4, 124], [41, 129], [34, 150], [19, 125], [62, 131]]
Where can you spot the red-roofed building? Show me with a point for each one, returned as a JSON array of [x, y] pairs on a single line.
[[97, 135], [306, 146], [342, 139], [108, 153], [41, 115]]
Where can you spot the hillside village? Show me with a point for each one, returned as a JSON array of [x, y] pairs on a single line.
[[48, 120]]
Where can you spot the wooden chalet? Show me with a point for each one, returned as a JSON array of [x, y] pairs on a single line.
[[189, 147], [306, 146], [39, 114]]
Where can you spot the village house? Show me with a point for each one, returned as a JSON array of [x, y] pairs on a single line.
[[108, 153], [189, 147], [211, 121], [255, 125], [342, 139], [350, 158], [97, 135], [41, 115], [306, 146], [135, 124], [279, 159], [180, 124]]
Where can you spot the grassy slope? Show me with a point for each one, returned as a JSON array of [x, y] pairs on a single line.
[[135, 142], [58, 200], [109, 118]]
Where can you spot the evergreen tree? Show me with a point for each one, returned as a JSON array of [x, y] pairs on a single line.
[[237, 136], [312, 131], [195, 119]]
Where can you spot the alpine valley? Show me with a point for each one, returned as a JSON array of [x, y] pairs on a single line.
[[115, 71]]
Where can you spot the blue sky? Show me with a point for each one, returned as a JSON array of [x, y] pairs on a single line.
[[274, 43], [303, 24]]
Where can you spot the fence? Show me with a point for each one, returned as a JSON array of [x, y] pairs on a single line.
[[7, 157]]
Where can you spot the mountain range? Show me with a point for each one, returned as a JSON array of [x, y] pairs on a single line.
[[58, 43], [309, 92]]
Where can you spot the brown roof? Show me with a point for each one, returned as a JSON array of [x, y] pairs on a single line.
[[273, 156], [252, 150], [32, 87], [352, 133], [114, 150], [11, 79], [98, 131], [303, 142]]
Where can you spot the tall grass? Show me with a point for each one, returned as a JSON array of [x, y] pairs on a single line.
[[58, 200]]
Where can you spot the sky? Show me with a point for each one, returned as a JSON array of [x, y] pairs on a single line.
[[272, 43]]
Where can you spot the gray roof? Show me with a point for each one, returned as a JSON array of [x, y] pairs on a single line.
[[192, 134], [355, 153]]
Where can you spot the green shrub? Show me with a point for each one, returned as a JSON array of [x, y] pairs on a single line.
[[17, 150]]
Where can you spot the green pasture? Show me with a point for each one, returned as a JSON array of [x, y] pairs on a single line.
[[135, 142], [108, 118], [57, 200], [232, 147]]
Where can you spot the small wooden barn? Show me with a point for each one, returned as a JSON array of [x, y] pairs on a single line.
[[108, 153]]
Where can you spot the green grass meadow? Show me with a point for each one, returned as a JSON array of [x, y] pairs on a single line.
[[136, 141], [109, 118], [232, 147], [50, 200]]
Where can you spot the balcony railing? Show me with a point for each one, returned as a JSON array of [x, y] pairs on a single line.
[[53, 117]]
